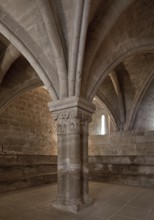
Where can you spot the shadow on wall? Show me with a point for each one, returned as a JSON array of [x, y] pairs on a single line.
[[28, 142]]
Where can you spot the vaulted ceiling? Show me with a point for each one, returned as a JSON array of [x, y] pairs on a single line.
[[79, 48]]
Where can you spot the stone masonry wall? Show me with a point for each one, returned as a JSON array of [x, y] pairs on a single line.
[[126, 157], [27, 142], [122, 157], [145, 116], [26, 126], [28, 147]]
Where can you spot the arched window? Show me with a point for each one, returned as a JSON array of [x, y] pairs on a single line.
[[100, 124]]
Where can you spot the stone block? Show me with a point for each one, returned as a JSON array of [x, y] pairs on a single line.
[[37, 180], [99, 139], [9, 172], [36, 159], [47, 168], [12, 149], [146, 170], [14, 184], [133, 170], [30, 170], [51, 178], [145, 139], [122, 138], [10, 160], [3, 121], [145, 149], [26, 135]]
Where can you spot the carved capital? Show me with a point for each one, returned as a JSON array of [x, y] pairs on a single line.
[[71, 120], [71, 113]]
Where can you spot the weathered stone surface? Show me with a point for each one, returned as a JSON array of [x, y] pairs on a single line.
[[78, 50], [16, 175], [36, 132], [19, 183], [9, 172], [72, 116], [133, 170], [9, 160], [36, 159], [121, 143]]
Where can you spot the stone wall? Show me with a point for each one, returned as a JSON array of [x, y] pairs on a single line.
[[27, 142], [19, 171], [28, 146], [130, 170], [145, 117], [122, 144], [26, 126], [126, 157]]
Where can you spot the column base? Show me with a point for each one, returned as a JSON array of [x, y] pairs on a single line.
[[72, 207]]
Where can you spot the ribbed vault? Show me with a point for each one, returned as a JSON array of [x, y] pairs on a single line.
[[79, 49]]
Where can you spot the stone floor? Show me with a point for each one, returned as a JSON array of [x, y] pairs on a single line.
[[112, 202]]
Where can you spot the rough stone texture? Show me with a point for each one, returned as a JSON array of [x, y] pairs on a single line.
[[28, 142], [15, 84], [27, 13], [145, 116], [72, 117], [75, 47], [122, 143], [125, 157], [21, 171], [26, 126], [124, 41], [130, 170], [108, 91]]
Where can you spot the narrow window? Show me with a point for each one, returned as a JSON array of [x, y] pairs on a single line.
[[103, 130]]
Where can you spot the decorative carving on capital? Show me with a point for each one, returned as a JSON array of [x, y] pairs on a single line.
[[86, 118], [61, 127], [63, 114], [71, 120]]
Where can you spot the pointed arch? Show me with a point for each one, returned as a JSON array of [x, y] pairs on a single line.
[[138, 99], [99, 31], [11, 30], [56, 44], [131, 47], [110, 111], [32, 84]]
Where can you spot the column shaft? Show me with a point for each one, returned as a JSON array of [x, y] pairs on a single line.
[[72, 132]]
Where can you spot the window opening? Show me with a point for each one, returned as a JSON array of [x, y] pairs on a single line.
[[103, 127]]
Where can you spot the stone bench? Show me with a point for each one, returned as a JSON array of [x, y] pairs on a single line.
[[20, 171]]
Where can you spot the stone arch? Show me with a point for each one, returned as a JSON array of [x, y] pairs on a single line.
[[138, 99], [10, 29], [100, 30], [134, 46], [32, 84], [109, 110]]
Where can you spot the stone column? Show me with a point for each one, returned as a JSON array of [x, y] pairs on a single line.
[[72, 116]]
